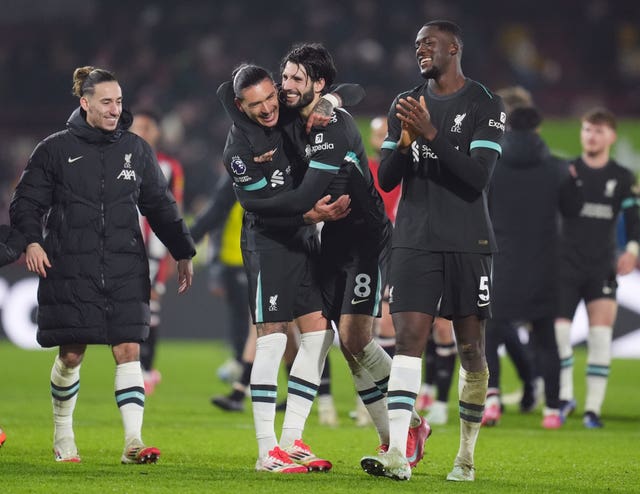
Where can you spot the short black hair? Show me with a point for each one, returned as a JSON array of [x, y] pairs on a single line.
[[524, 118], [316, 60], [246, 75], [447, 26]]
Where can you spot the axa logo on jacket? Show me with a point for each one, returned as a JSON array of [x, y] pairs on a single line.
[[127, 172], [127, 175]]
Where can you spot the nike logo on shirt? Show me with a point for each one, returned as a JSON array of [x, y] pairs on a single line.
[[71, 160]]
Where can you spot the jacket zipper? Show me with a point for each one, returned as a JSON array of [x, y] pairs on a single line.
[[102, 224]]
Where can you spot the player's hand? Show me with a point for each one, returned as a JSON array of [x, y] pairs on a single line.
[[323, 211], [406, 138], [185, 275], [626, 263], [320, 114], [416, 117], [36, 259], [266, 157]]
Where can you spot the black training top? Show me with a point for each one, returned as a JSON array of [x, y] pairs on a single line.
[[255, 182], [332, 159], [338, 165], [590, 238], [443, 206]]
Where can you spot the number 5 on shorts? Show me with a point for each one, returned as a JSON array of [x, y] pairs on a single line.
[[483, 291]]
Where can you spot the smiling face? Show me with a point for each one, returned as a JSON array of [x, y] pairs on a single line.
[[260, 103], [435, 51], [298, 88], [104, 106]]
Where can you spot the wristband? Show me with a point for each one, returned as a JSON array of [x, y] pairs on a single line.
[[335, 102]]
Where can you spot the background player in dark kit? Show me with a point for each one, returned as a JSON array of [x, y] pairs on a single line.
[[589, 262]]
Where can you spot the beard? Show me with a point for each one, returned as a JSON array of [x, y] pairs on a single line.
[[305, 99]]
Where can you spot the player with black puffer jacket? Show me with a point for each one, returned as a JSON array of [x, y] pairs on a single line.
[[86, 185]]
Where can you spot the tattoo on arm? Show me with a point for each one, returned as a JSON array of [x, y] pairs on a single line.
[[323, 107]]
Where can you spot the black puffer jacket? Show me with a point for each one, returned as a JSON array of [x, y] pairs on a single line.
[[529, 189], [12, 244], [86, 183]]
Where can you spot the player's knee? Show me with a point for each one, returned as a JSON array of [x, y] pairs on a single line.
[[266, 328], [70, 360], [126, 352], [411, 347], [71, 355], [353, 344], [471, 351]]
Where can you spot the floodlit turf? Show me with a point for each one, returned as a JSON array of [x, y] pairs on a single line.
[[207, 450]]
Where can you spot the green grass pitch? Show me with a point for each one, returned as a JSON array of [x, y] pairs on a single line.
[[207, 450]]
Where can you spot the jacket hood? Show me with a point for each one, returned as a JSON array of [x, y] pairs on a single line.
[[78, 126], [523, 149]]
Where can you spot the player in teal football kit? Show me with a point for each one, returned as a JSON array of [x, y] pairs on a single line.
[[277, 255], [443, 141], [589, 262], [352, 249]]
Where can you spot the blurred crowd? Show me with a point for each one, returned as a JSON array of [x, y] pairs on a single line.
[[172, 56]]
